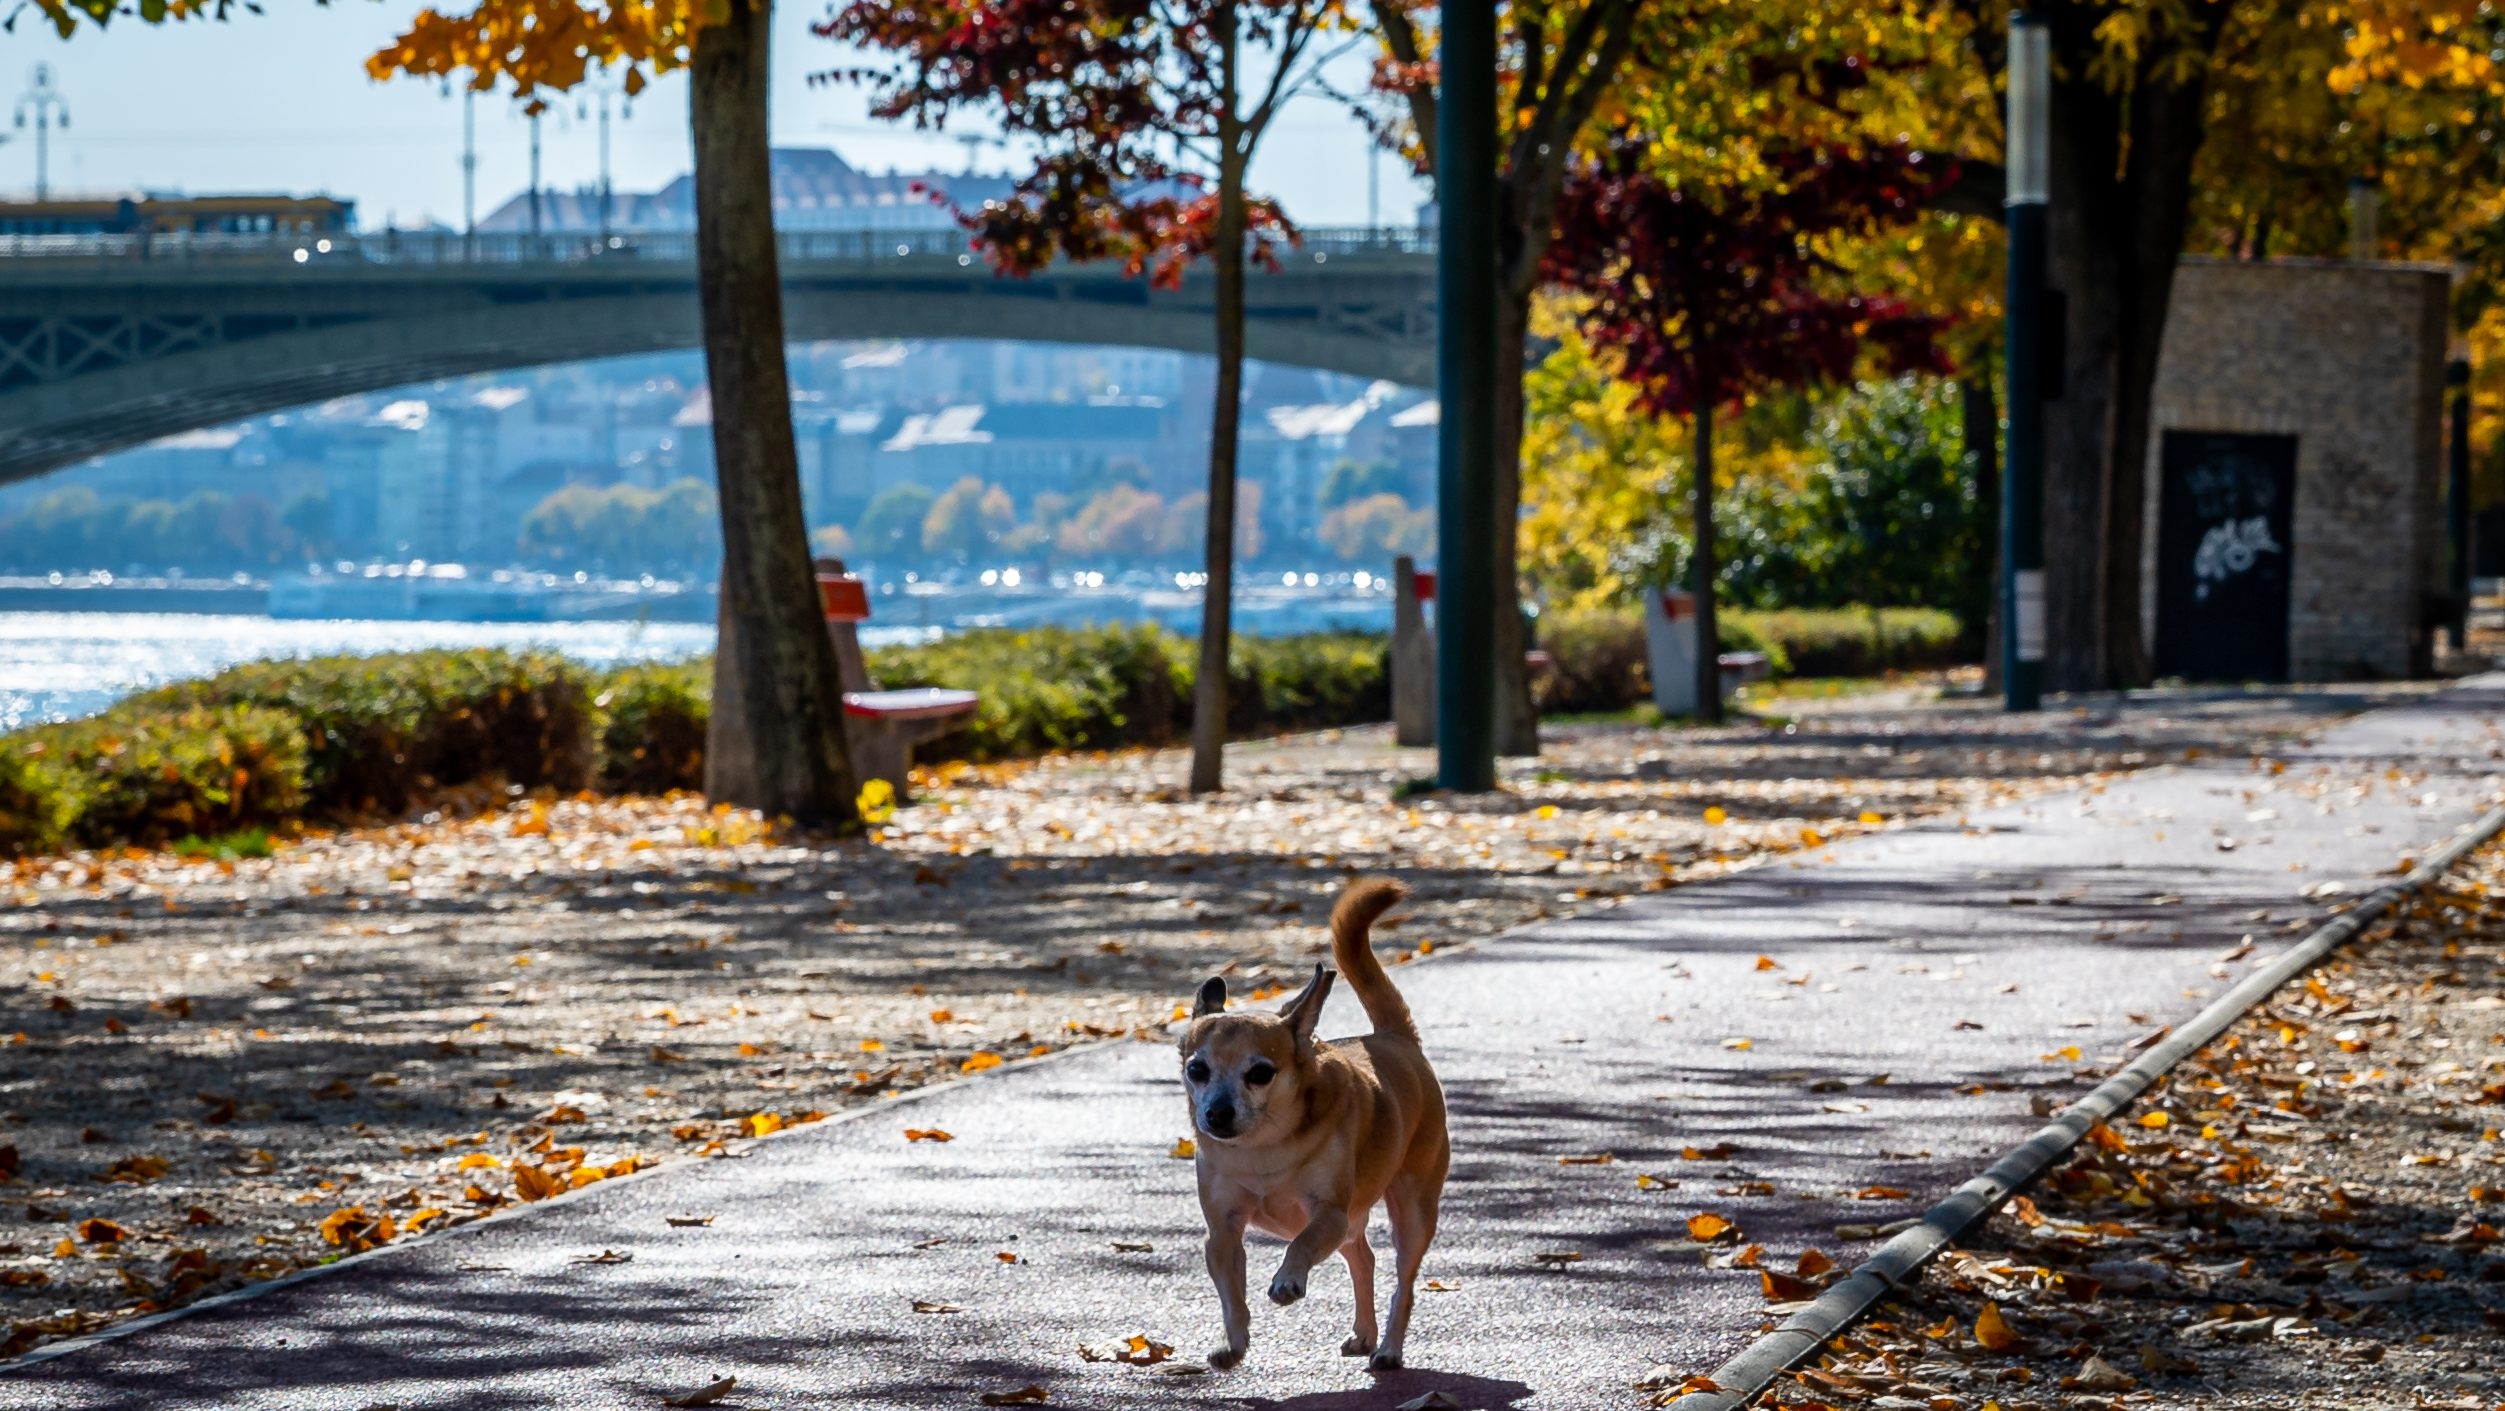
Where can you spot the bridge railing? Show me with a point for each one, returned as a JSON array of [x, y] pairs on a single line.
[[943, 245]]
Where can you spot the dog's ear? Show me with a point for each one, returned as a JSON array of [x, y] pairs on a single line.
[[1212, 997], [1305, 1011]]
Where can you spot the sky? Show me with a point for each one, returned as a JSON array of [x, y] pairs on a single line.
[[280, 102]]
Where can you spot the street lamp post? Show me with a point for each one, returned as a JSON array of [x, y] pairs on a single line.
[[43, 102], [1465, 385], [2024, 340]]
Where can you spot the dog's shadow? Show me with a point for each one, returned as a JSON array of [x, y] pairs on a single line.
[[1393, 1388]]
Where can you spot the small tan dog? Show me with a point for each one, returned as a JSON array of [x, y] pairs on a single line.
[[1301, 1137]]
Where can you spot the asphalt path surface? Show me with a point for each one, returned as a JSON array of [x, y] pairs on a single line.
[[1930, 960]]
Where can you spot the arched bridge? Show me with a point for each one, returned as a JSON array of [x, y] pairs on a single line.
[[110, 342]]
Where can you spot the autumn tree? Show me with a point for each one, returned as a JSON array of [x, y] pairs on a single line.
[[778, 741], [1147, 114], [1706, 296]]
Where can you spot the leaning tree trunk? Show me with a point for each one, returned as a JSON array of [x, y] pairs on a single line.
[[1517, 714], [776, 741], [1217, 601], [1702, 568]]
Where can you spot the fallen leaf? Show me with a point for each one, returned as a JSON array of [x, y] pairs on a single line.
[[1813, 1264], [1767, 962], [1992, 1330], [1784, 1288], [979, 1062], [1650, 1182], [705, 1395], [1028, 1395], [1598, 1158], [1184, 1150], [927, 1134], [925, 1306], [1708, 1227], [97, 1230], [1881, 1193], [1142, 1351], [606, 1256], [2097, 1374], [1558, 1258], [1122, 1247], [2156, 1359], [689, 1222]]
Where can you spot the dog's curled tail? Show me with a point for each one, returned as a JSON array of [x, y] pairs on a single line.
[[1352, 949]]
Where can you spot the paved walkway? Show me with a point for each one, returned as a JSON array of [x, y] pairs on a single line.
[[1938, 957]]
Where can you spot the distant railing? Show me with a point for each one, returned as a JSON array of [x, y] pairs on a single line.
[[584, 249]]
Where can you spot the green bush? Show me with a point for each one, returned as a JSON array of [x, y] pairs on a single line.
[[382, 730], [146, 775], [1856, 641], [1053, 688], [34, 809], [1310, 682], [1600, 663], [652, 726]]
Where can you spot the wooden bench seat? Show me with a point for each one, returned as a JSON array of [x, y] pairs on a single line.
[[883, 726]]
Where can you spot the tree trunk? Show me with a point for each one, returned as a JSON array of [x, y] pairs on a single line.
[[1981, 424], [776, 672], [1517, 716], [1217, 601], [1702, 569]]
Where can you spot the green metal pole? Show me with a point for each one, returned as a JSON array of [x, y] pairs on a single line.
[[2022, 338], [1465, 381]]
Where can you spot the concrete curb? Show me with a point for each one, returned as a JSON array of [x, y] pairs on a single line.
[[1739, 1380]]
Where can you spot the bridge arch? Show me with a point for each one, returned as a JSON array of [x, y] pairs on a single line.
[[115, 354]]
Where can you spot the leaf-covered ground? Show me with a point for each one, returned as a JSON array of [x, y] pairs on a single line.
[[216, 1072], [2306, 1215]]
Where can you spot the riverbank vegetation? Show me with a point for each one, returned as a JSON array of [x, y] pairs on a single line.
[[340, 739]]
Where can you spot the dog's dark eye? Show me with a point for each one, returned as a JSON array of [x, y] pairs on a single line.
[[1197, 1071], [1258, 1074]]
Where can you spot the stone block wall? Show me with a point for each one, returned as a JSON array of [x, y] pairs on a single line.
[[2348, 359]]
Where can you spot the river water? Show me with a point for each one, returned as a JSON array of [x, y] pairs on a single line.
[[61, 665]]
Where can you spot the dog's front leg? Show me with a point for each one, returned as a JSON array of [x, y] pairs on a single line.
[[1225, 1252], [1326, 1229]]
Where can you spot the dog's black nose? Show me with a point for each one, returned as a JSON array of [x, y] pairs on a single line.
[[1218, 1119]]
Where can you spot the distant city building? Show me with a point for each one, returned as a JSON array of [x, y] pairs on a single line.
[[814, 189]]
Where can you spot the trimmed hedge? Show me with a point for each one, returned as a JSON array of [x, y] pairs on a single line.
[[1041, 690], [652, 726], [383, 730], [1601, 664], [148, 777]]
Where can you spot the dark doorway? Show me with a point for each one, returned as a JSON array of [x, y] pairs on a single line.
[[2224, 539]]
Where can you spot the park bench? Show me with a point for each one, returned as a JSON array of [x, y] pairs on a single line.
[[883, 726], [1413, 654]]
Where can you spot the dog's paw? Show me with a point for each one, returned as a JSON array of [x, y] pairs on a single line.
[[1287, 1288], [1356, 1346], [1384, 1362], [1222, 1358]]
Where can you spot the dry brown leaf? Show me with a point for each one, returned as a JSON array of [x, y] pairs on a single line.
[[1143, 1351], [705, 1395], [1028, 1395], [927, 1306], [1558, 1258]]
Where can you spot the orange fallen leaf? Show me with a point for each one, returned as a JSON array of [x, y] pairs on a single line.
[[927, 1134], [1142, 1351], [758, 1124], [1993, 1331], [1707, 1227], [1813, 1263], [978, 1062], [1767, 962]]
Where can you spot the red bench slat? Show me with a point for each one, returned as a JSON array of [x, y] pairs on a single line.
[[844, 597]]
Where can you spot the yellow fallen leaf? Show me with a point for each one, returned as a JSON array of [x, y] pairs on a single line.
[[1738, 1043], [1993, 1331], [1184, 1150], [943, 1016], [872, 1046], [1708, 1226], [1716, 816], [478, 1160], [1871, 816], [978, 1062], [758, 1124], [1547, 811], [2154, 1119]]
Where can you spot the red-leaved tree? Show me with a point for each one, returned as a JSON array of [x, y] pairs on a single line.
[[1707, 296], [1147, 114]]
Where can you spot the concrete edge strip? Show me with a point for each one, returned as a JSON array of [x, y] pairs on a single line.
[[1740, 1380]]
